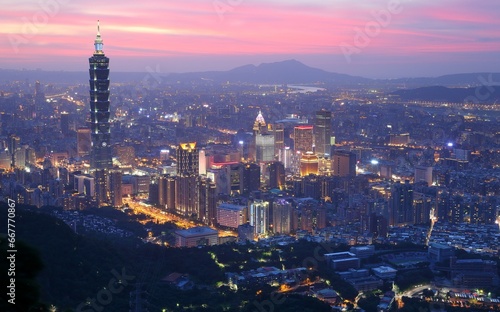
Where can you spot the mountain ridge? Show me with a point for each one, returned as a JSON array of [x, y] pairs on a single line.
[[282, 72]]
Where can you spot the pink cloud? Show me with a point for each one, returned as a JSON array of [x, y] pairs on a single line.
[[155, 28]]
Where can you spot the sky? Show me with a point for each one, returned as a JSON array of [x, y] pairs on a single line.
[[370, 38]]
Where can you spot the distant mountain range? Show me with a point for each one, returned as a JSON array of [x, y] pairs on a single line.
[[284, 72], [479, 94]]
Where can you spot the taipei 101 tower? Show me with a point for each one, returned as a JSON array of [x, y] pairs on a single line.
[[100, 155]]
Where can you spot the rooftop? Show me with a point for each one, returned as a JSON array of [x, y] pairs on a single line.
[[195, 231]]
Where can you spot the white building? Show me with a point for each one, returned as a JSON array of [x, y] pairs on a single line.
[[259, 217], [230, 215]]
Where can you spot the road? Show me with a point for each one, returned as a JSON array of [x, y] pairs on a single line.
[[161, 216]]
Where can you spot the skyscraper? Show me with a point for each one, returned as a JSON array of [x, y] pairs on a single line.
[[401, 204], [116, 188], [64, 123], [264, 146], [99, 107], [282, 216], [259, 216], [276, 175], [344, 164], [187, 159], [322, 132], [249, 178], [278, 130], [303, 138]]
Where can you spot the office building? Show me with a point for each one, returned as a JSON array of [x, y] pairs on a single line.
[[207, 201], [276, 175], [259, 125], [187, 159], [115, 188], [166, 192], [264, 147], [401, 204], [278, 130], [249, 178], [322, 132], [186, 195], [64, 123], [344, 164], [309, 164], [303, 139], [282, 216], [99, 107]]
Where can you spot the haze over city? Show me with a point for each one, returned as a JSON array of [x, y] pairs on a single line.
[[376, 39]]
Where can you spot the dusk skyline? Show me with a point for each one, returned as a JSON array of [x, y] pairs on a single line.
[[410, 39]]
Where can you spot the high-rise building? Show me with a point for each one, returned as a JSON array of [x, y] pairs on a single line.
[[259, 217], [14, 143], [116, 188], [232, 216], [322, 132], [401, 204], [207, 198], [259, 126], [100, 154], [264, 147], [303, 138], [186, 195], [249, 178], [187, 159], [101, 186], [279, 138], [344, 164], [169, 193], [276, 175], [309, 164], [282, 216], [423, 206], [99, 107], [39, 99], [64, 123]]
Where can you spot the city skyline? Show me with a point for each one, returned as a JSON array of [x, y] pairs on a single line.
[[373, 39]]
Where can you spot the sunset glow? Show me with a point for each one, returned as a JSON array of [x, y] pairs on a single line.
[[442, 37]]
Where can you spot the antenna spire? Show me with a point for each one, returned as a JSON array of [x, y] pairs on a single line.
[[98, 40]]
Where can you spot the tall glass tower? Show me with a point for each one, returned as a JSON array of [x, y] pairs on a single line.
[[99, 107]]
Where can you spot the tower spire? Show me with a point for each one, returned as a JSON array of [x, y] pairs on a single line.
[[98, 44]]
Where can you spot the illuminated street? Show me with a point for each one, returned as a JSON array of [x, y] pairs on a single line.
[[161, 216]]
